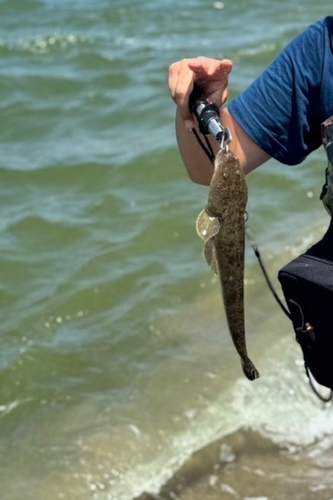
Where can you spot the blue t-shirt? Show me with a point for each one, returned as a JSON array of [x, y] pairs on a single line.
[[283, 109]]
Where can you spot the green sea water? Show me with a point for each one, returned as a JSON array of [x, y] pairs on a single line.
[[115, 360]]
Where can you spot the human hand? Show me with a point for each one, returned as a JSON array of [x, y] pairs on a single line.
[[211, 76]]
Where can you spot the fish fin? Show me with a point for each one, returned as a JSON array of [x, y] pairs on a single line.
[[210, 255], [207, 226], [249, 369]]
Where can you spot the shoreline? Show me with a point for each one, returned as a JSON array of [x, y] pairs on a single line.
[[250, 463], [246, 465]]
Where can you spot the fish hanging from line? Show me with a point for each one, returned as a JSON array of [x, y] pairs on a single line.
[[222, 226]]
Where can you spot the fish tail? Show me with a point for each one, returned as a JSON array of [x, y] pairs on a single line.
[[249, 369]]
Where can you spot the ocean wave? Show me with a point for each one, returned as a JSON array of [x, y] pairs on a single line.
[[247, 465], [245, 420], [264, 48], [47, 44]]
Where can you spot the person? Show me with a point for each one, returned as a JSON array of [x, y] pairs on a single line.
[[278, 116], [286, 114]]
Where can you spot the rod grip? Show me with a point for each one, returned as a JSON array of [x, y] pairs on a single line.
[[195, 99]]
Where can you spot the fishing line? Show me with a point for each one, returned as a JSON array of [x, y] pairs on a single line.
[[209, 152], [209, 146]]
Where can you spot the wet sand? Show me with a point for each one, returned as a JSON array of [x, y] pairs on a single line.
[[246, 465]]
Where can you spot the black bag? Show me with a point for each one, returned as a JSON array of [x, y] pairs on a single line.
[[307, 284]]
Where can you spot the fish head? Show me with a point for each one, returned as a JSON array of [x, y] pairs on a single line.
[[228, 186]]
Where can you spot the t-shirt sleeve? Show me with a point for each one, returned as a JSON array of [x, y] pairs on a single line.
[[280, 111]]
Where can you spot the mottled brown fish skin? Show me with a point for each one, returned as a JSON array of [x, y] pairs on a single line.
[[227, 201]]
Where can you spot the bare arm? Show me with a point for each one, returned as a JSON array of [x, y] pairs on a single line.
[[212, 76], [198, 166]]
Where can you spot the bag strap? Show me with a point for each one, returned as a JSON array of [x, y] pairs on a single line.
[[322, 398], [255, 249]]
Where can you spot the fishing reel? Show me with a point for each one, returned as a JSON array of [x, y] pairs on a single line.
[[208, 116]]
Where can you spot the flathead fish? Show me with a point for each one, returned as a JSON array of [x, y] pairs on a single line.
[[222, 226]]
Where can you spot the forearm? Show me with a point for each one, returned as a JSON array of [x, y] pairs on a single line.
[[198, 166]]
